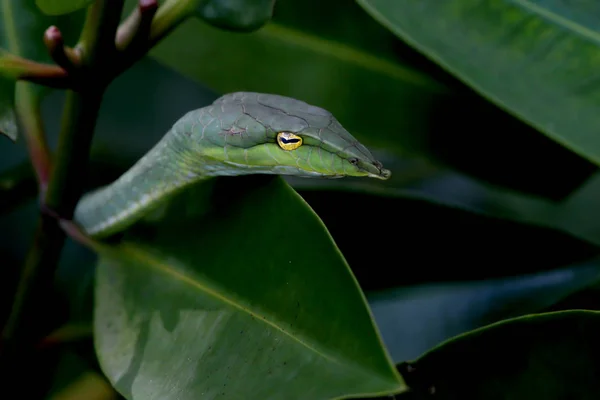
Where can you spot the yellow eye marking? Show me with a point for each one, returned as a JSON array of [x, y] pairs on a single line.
[[288, 141]]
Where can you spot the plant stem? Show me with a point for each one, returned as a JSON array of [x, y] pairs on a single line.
[[24, 328], [64, 190], [16, 67], [27, 106], [169, 16], [25, 324], [95, 70], [78, 123], [98, 35], [147, 26]]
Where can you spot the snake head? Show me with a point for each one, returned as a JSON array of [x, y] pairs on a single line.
[[267, 133]]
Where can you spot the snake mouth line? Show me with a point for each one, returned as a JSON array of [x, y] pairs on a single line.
[[384, 174], [374, 169]]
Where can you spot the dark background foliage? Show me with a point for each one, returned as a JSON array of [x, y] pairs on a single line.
[[486, 218]]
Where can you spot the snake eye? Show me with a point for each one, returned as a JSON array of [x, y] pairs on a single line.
[[353, 161], [288, 141]]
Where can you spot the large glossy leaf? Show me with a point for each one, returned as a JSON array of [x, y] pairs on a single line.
[[252, 301], [545, 356], [22, 27], [536, 58], [58, 7]]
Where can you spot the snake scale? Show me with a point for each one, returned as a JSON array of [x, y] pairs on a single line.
[[240, 133]]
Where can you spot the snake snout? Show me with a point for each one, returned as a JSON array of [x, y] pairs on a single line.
[[383, 173], [373, 167]]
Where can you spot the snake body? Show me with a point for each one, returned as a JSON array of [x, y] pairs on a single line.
[[240, 133]]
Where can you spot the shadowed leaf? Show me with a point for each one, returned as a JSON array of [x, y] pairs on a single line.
[[58, 7], [236, 15], [545, 356], [539, 59], [387, 94]]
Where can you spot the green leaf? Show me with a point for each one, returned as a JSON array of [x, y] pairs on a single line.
[[59, 7], [236, 15], [578, 215], [438, 311], [549, 356], [8, 120], [387, 94], [536, 58], [423, 225], [74, 378], [363, 86], [253, 300], [22, 27]]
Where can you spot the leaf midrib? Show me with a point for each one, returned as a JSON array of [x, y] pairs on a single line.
[[134, 252], [351, 55], [558, 20]]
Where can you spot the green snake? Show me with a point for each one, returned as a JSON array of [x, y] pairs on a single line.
[[240, 133]]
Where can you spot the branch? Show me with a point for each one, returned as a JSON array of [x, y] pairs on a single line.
[[133, 33], [147, 25], [101, 54], [25, 324], [97, 41], [67, 333], [27, 107], [18, 68], [169, 16], [65, 57]]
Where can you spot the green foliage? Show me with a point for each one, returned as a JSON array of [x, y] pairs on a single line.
[[537, 59], [552, 356], [286, 312], [236, 15], [20, 33], [22, 28], [59, 7], [474, 268], [356, 81]]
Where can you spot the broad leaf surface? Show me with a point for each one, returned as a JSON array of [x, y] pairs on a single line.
[[536, 58], [58, 7], [252, 300], [545, 356]]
